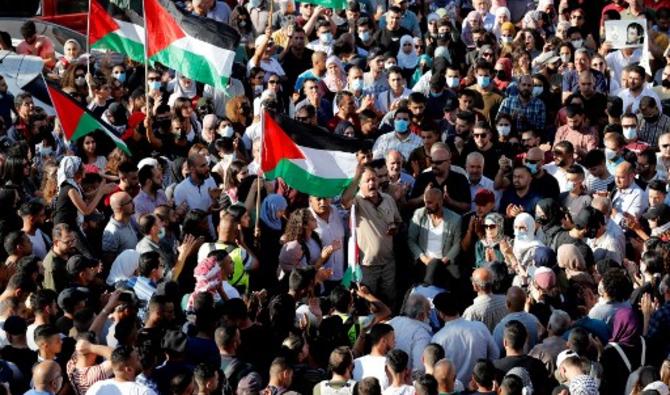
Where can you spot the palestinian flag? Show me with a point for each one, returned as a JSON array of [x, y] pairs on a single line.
[[202, 49], [76, 120], [353, 274], [308, 158], [117, 29], [334, 4]]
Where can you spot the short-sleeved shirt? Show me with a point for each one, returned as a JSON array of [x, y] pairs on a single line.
[[118, 237], [457, 187], [42, 47], [372, 223], [83, 378]]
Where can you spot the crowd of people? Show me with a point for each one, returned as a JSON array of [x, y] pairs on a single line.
[[511, 217]]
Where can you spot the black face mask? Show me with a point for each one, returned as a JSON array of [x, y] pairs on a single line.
[[591, 233], [542, 220], [501, 75], [652, 119], [666, 83], [442, 36], [45, 129]]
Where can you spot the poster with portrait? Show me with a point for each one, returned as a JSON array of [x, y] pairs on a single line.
[[629, 33]]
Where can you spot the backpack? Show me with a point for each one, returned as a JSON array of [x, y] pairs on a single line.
[[326, 389]]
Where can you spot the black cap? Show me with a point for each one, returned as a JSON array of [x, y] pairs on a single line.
[[660, 212], [77, 263], [589, 218], [71, 296], [15, 325], [174, 341]]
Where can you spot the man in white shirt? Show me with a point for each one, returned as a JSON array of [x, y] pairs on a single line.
[[126, 365], [636, 90], [382, 338], [628, 197], [198, 190], [324, 43], [397, 90], [564, 158], [263, 58], [474, 167], [400, 139]]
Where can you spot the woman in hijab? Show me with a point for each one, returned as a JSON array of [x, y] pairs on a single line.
[[487, 249], [472, 21], [524, 246], [407, 57], [625, 352], [273, 209], [424, 66], [502, 15], [503, 69], [184, 87], [571, 260], [336, 78], [123, 267], [548, 214]]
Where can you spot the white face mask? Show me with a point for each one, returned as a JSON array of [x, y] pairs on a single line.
[[577, 43], [504, 130], [565, 58]]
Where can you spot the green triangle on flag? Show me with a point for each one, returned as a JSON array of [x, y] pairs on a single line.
[[76, 120]]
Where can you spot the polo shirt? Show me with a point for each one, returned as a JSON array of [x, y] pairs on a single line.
[[457, 187], [118, 237], [372, 223]]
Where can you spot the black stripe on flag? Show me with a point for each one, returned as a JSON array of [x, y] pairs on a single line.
[[318, 137], [206, 29]]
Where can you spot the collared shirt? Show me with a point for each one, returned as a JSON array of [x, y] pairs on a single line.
[[412, 336], [632, 200], [560, 175], [649, 132], [634, 101], [196, 196], [606, 247], [582, 140], [372, 223], [534, 112], [143, 287], [118, 237], [528, 320], [616, 62], [489, 309], [145, 204], [391, 141], [466, 342], [374, 86], [329, 231], [387, 98]]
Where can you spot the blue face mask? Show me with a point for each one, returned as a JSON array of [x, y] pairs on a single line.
[[630, 133], [453, 82], [570, 186], [121, 77], [483, 81], [401, 125], [154, 85], [532, 167], [357, 84], [521, 235], [364, 36], [161, 233]]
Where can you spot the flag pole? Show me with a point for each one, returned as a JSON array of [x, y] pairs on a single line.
[[146, 60], [88, 39], [259, 181]]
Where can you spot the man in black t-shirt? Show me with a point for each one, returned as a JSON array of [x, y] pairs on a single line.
[[388, 39], [514, 339], [454, 185]]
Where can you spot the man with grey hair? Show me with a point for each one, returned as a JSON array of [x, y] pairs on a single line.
[[548, 350], [397, 176], [411, 329], [487, 307], [474, 167]]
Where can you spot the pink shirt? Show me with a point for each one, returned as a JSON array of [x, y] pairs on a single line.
[[583, 141], [42, 47]]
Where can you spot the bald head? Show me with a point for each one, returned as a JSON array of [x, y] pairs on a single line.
[[433, 193], [624, 175], [516, 299], [445, 374], [535, 153], [393, 155], [46, 376], [482, 279], [118, 200]]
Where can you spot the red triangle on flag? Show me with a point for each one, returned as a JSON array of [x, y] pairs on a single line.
[[101, 23], [69, 114], [277, 145], [161, 27]]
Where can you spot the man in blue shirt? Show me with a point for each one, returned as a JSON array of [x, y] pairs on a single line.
[[47, 378]]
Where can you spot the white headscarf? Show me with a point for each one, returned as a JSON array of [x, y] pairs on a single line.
[[180, 91], [123, 267], [407, 60], [523, 246], [66, 171]]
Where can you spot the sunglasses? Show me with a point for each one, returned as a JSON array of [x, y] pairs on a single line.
[[302, 119], [273, 81], [490, 226], [437, 162]]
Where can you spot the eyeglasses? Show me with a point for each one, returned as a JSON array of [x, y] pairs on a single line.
[[273, 81], [438, 162], [533, 162], [577, 16], [597, 64], [419, 46], [487, 54], [479, 135], [490, 226]]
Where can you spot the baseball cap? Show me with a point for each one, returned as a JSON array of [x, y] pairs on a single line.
[[71, 296], [544, 278], [77, 263], [175, 341], [147, 162], [589, 218], [546, 58], [484, 197], [660, 212]]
